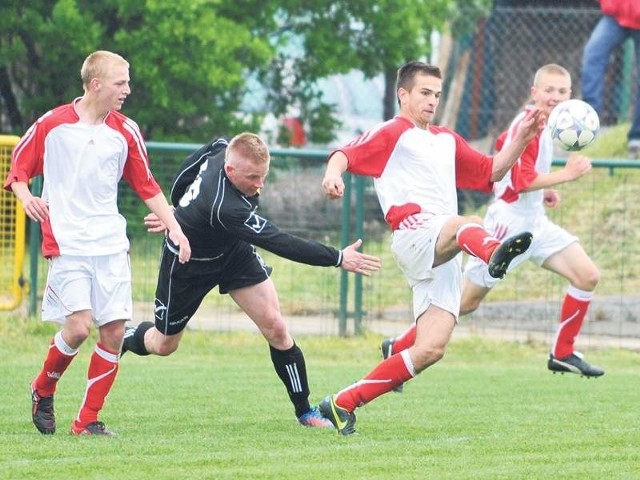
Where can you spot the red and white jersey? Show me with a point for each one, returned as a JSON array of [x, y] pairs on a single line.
[[417, 170], [82, 165], [535, 160]]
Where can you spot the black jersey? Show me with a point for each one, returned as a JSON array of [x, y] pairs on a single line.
[[215, 216]]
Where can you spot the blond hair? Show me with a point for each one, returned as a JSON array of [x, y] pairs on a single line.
[[249, 146], [97, 64], [552, 69]]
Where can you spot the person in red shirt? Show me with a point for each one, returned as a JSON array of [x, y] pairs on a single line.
[[520, 201], [620, 21], [83, 149], [416, 168]]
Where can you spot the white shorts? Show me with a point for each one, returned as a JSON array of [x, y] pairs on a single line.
[[414, 251], [101, 284], [504, 221]]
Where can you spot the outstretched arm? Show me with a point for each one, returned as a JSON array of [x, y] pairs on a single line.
[[294, 248], [576, 167], [356, 262]]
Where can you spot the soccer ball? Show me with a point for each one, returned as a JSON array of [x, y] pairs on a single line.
[[573, 124]]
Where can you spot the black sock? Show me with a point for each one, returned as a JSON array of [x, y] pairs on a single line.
[[291, 369], [135, 341]]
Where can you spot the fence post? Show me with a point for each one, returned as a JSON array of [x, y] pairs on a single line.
[[359, 231], [34, 251], [343, 313], [626, 80]]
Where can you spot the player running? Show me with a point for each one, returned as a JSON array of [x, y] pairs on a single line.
[[216, 195], [520, 201], [416, 168]]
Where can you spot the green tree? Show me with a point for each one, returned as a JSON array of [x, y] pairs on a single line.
[[195, 63], [373, 37], [189, 60]]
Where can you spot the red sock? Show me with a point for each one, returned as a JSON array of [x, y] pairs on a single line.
[[387, 375], [574, 308], [404, 340], [475, 240], [103, 369], [58, 358]]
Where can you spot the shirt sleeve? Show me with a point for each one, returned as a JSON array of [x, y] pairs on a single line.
[[136, 169], [523, 172], [27, 159], [473, 168], [369, 153], [247, 225]]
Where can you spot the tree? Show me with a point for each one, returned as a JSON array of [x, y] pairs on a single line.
[[338, 36], [189, 60], [195, 63]]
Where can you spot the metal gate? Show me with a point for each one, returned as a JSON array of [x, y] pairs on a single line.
[[12, 235]]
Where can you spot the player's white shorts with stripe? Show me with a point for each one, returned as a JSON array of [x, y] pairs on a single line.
[[413, 247], [503, 221], [101, 284]]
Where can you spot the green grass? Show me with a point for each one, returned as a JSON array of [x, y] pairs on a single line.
[[216, 409]]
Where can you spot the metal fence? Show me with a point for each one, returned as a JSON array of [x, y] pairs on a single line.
[[12, 240], [327, 301], [488, 69]]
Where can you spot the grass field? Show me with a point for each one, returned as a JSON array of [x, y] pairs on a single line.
[[216, 409]]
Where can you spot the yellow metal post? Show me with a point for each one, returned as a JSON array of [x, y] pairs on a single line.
[[12, 235]]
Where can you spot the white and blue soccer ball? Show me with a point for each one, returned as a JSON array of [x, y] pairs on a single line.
[[573, 124]]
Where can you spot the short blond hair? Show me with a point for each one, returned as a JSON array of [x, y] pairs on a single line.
[[550, 68], [249, 146], [97, 64]]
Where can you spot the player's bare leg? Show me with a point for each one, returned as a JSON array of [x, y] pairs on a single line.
[[260, 303], [62, 350], [472, 296]]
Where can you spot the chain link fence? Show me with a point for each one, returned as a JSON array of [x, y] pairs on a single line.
[[487, 78], [490, 68]]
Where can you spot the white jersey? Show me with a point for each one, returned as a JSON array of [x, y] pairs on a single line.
[[535, 160], [82, 165], [515, 211], [417, 170]]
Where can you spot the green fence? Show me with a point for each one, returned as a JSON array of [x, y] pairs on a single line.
[[602, 209]]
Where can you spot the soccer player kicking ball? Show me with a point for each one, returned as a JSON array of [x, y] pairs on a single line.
[[520, 201], [416, 168]]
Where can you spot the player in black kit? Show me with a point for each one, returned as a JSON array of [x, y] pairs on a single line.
[[215, 195]]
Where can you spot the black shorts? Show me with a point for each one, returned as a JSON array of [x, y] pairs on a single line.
[[182, 286]]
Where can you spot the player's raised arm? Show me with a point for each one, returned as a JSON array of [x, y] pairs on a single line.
[[532, 124]]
